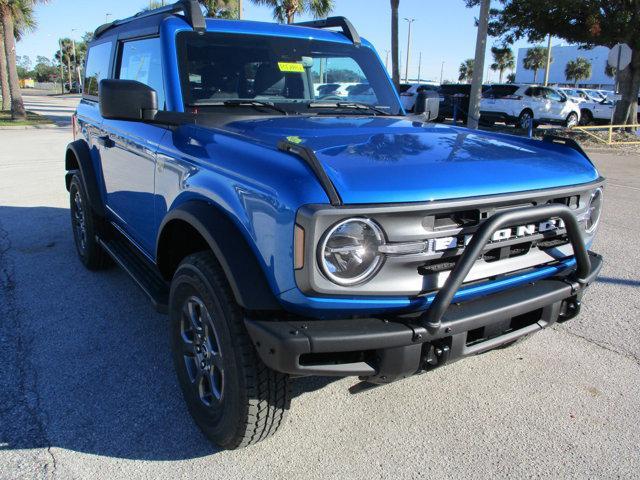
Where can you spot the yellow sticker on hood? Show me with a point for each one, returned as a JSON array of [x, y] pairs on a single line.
[[291, 67]]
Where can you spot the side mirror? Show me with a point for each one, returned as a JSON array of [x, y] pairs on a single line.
[[127, 100], [427, 104]]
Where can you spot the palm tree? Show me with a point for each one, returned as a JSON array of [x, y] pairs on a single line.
[[578, 69], [511, 78], [395, 60], [502, 60], [4, 75], [16, 17], [610, 71], [221, 8], [67, 58], [286, 10], [466, 70], [535, 59]]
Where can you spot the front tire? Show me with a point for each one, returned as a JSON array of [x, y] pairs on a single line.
[[85, 225], [586, 117], [234, 398]]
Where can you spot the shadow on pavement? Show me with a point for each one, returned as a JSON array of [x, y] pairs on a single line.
[[84, 359]]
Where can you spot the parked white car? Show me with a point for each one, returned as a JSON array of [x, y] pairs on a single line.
[[409, 92], [596, 111], [521, 104]]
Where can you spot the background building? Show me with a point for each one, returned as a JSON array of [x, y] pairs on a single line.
[[563, 54]]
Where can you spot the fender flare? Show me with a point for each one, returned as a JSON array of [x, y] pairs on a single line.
[[238, 261], [80, 151]]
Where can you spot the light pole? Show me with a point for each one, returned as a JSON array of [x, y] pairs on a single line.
[[419, 66], [106, 17], [239, 9], [406, 71], [441, 72], [386, 62], [61, 67]]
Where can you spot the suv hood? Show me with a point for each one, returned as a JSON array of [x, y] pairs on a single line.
[[388, 160]]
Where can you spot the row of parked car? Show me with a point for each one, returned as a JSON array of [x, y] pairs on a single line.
[[518, 104], [514, 104]]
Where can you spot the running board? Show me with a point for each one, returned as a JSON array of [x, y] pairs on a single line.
[[143, 272]]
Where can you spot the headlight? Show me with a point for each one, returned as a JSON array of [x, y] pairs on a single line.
[[348, 253], [594, 211]]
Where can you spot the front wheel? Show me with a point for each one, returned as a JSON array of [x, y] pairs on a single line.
[[586, 117], [572, 120], [232, 395], [85, 225]]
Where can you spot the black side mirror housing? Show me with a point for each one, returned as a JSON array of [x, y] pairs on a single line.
[[127, 100]]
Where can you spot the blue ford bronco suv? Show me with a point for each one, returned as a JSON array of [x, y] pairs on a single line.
[[289, 229]]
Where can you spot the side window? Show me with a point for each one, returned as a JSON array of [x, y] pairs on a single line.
[[98, 60], [552, 95], [141, 60]]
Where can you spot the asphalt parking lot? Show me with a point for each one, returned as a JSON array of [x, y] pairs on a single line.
[[88, 388]]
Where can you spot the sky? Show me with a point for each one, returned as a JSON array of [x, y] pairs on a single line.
[[443, 30]]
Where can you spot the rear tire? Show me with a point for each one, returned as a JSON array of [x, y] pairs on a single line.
[[234, 398], [86, 225], [525, 117]]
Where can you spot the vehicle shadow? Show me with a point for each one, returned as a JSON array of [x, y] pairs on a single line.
[[85, 361]]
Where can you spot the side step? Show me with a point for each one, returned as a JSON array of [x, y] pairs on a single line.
[[144, 273]]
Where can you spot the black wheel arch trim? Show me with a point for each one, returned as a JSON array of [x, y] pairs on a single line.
[[238, 261], [80, 150]]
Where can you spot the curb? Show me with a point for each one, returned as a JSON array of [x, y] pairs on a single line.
[[30, 127]]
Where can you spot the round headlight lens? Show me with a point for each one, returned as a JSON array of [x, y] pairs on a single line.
[[594, 212], [348, 252]]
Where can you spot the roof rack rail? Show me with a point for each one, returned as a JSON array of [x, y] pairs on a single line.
[[348, 30], [190, 8]]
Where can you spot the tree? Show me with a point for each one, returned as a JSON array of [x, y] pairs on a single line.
[[44, 71], [4, 75], [395, 54], [466, 70], [16, 17], [587, 23], [578, 69], [502, 60], [67, 58], [610, 71], [221, 8], [286, 10], [535, 59], [511, 78]]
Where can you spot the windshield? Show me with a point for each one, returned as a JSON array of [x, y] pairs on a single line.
[[218, 70]]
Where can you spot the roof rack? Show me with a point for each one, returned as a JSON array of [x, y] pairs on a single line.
[[190, 8], [348, 30]]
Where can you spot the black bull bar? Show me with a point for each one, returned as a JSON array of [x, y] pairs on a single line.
[[386, 348]]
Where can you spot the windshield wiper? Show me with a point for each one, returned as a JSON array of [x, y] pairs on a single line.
[[349, 106], [242, 103]]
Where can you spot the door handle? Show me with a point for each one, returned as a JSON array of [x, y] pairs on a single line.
[[105, 141]]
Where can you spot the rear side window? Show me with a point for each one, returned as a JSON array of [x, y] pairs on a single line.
[[501, 91], [98, 60], [140, 60]]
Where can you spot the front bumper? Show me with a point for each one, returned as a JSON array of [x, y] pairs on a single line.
[[384, 350]]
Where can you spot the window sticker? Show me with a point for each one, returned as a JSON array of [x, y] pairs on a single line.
[[291, 67]]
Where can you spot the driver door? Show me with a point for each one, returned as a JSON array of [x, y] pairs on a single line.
[[128, 149]]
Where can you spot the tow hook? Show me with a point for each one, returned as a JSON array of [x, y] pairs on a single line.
[[570, 308]]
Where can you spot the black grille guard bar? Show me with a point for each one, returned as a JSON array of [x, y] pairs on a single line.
[[432, 318]]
